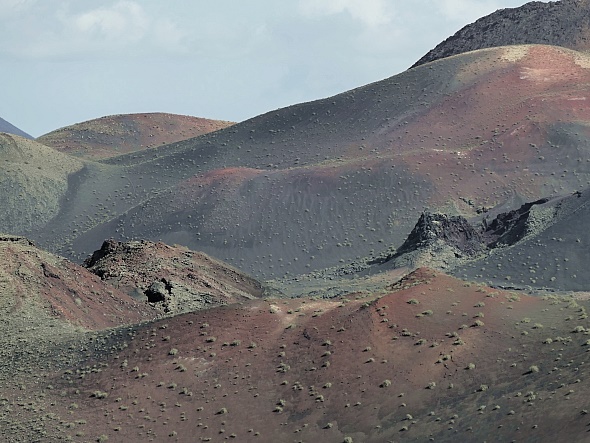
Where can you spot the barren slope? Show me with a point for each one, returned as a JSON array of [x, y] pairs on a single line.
[[432, 357], [120, 134], [45, 298], [315, 184], [563, 23]]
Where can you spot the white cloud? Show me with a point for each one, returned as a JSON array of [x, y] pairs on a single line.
[[76, 30], [124, 20], [369, 12], [10, 9]]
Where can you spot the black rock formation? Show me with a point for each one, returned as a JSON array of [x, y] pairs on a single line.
[[455, 231]]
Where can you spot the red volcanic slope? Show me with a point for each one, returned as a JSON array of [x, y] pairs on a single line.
[[120, 134], [41, 286], [501, 133], [433, 357]]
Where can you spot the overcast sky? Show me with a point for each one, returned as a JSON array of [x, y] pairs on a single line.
[[66, 61]]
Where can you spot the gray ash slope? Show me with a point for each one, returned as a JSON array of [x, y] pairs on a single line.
[[565, 23], [554, 253]]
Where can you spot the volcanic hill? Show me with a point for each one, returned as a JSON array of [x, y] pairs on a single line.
[[564, 23], [121, 134], [475, 164], [323, 183]]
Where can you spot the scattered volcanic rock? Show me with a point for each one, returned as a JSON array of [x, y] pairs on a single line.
[[565, 23], [172, 278], [11, 129], [432, 357], [114, 135]]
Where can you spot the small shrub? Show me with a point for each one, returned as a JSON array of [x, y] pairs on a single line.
[[412, 301]]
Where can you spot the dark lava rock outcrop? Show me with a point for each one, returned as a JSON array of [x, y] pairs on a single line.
[[446, 241], [565, 23], [438, 232], [173, 279]]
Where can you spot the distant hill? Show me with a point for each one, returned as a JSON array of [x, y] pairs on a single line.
[[121, 134], [565, 23], [11, 129]]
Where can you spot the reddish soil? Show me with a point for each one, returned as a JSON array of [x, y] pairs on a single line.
[[121, 134], [41, 284], [500, 128], [433, 357]]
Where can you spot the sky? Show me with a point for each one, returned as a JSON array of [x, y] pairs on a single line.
[[67, 61]]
